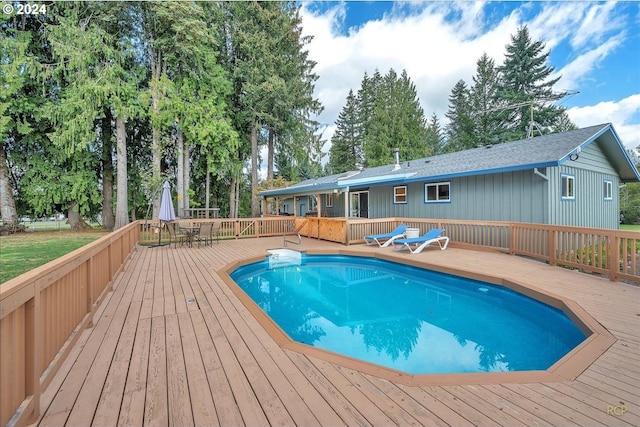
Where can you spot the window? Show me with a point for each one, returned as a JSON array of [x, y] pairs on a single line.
[[400, 194], [568, 187], [437, 192], [329, 201], [608, 190]]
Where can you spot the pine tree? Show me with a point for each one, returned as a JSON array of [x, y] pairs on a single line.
[[485, 103], [367, 98], [434, 139], [526, 86], [93, 72], [397, 122], [460, 128], [346, 144]]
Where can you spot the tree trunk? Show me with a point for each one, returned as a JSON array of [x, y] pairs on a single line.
[[270, 155], [157, 68], [186, 168], [156, 160], [75, 220], [7, 202], [233, 204], [122, 197], [255, 207], [108, 220], [180, 173], [207, 189]]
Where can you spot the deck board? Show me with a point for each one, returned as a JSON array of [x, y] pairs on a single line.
[[171, 344]]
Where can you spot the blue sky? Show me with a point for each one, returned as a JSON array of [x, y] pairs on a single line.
[[594, 46]]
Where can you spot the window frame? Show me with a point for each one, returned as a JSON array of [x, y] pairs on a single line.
[[437, 186], [329, 200], [607, 189], [396, 195], [570, 186]]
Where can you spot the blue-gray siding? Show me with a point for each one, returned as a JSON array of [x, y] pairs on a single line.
[[589, 208], [522, 196]]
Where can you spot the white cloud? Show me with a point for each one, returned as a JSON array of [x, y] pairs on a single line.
[[437, 50], [622, 114], [435, 53], [576, 71]]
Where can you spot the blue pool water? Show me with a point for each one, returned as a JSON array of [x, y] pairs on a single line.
[[406, 318]]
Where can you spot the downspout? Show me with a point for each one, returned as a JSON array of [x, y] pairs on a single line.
[[546, 212], [540, 174]]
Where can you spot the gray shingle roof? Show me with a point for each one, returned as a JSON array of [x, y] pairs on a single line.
[[541, 151]]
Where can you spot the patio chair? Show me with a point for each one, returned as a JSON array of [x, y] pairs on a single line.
[[433, 236], [388, 238], [175, 234], [207, 231]]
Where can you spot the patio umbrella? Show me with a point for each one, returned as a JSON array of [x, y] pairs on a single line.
[[167, 214]]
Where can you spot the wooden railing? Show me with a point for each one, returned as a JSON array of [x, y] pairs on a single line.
[[230, 228], [42, 313], [331, 229], [613, 253]]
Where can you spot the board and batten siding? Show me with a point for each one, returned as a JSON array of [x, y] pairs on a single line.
[[589, 207], [511, 196]]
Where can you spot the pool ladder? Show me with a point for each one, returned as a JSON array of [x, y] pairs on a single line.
[[292, 228]]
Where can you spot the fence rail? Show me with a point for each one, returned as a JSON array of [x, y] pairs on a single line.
[[230, 228], [612, 253], [42, 313]]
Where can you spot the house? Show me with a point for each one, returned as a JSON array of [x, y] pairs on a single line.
[[569, 178]]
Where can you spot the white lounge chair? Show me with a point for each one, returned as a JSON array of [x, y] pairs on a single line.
[[433, 236], [388, 238]]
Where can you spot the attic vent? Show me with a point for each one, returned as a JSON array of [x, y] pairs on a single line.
[[488, 146], [427, 161]]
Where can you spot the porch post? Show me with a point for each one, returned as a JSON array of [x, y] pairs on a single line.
[[346, 203], [319, 198], [295, 206], [346, 216]]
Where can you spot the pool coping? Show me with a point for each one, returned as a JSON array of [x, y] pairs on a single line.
[[568, 368]]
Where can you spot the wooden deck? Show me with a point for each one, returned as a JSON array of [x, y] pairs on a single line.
[[173, 345]]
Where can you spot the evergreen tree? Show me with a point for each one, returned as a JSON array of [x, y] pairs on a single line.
[[346, 144], [15, 63], [434, 138], [460, 128], [367, 98], [398, 122], [485, 103], [526, 87], [93, 72]]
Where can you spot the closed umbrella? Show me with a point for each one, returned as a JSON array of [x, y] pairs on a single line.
[[167, 214]]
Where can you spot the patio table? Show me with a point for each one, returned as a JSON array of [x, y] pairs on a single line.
[[190, 231]]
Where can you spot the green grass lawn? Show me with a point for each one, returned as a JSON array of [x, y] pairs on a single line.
[[22, 252], [628, 227]]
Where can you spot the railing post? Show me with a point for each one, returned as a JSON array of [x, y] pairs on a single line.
[[512, 239], [551, 240], [613, 257], [33, 355], [90, 291]]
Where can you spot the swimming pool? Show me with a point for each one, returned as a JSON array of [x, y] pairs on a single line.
[[407, 318]]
